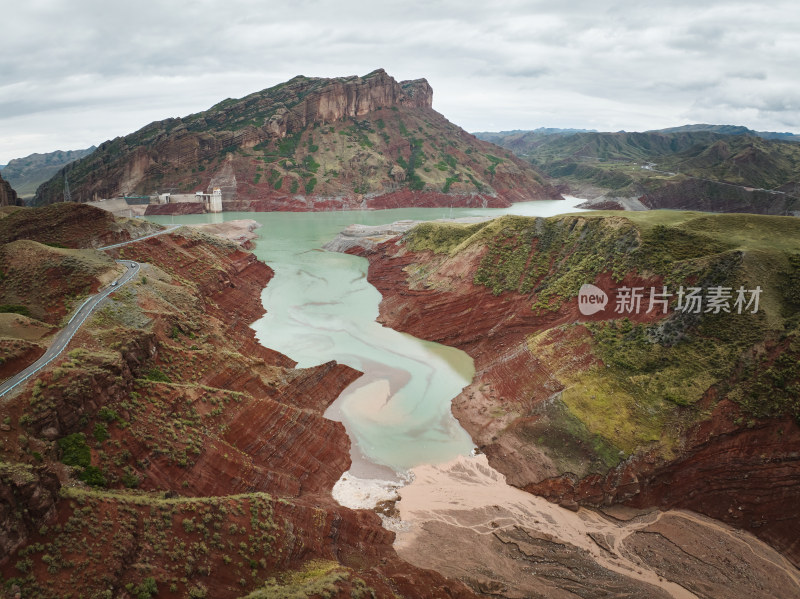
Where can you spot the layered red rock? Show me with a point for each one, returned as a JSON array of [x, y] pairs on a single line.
[[71, 225], [175, 209], [223, 439], [741, 470], [309, 144]]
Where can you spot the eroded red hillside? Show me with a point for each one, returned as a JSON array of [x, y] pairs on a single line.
[[168, 450], [309, 144], [641, 408]]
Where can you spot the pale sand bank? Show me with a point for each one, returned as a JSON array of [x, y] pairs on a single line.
[[239, 231], [466, 522]]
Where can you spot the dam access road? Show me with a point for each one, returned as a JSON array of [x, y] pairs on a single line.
[[63, 338]]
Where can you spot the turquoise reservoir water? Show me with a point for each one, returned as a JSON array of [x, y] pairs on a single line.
[[320, 307]]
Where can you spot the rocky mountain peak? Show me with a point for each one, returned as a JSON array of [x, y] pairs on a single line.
[[309, 143]]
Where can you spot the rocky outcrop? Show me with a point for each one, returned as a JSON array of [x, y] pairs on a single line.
[[241, 231], [168, 392], [545, 380], [365, 237], [66, 405], [8, 197], [347, 97], [28, 497], [359, 238], [309, 144]]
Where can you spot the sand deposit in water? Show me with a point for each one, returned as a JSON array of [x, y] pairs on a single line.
[[510, 543], [320, 307], [520, 545]]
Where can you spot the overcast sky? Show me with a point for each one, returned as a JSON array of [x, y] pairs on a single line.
[[74, 73]]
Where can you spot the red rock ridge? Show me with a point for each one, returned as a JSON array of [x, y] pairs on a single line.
[[309, 144], [404, 198], [235, 424], [748, 477], [348, 97], [71, 225]]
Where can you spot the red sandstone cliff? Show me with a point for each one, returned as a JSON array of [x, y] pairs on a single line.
[[721, 460], [309, 144], [186, 453]]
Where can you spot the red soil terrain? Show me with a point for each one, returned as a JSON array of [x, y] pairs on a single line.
[[215, 459], [71, 226], [738, 469]]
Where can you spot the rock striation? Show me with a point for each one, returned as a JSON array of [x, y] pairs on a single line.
[[168, 451], [641, 408], [309, 144]]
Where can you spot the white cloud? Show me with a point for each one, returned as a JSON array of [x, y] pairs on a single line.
[[74, 73]]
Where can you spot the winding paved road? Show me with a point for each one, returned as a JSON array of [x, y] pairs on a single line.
[[169, 229], [63, 338]]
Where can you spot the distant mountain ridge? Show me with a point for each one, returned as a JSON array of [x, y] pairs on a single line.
[[309, 144], [508, 136], [517, 137], [718, 168], [731, 130], [26, 174]]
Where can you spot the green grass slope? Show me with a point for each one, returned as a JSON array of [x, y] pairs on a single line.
[[649, 374], [676, 168]]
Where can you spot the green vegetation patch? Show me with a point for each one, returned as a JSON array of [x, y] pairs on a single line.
[[15, 309], [287, 147], [553, 256], [74, 451], [618, 416], [449, 181], [493, 162], [611, 179], [440, 238], [157, 375], [770, 382], [318, 578], [567, 441]]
